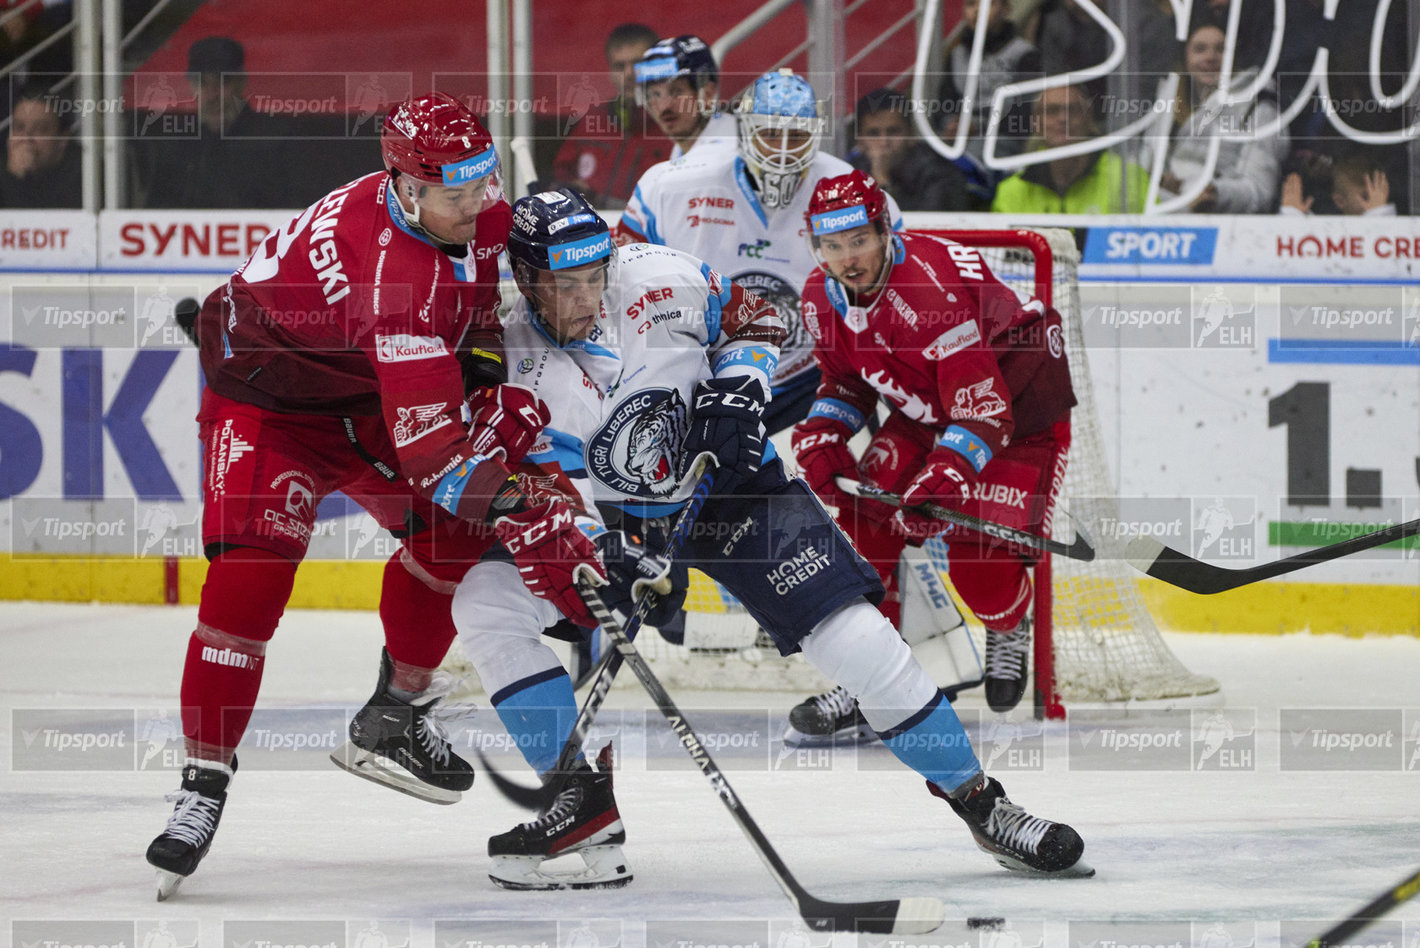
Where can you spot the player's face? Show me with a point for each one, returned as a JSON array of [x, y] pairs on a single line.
[[569, 301], [675, 106], [856, 258], [451, 214]]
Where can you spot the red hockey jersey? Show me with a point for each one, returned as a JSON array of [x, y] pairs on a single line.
[[946, 344], [347, 311]]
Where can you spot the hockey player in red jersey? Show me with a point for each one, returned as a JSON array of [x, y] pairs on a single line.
[[337, 358], [978, 391]]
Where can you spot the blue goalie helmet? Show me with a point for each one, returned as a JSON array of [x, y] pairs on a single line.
[[556, 230], [686, 55], [779, 127]]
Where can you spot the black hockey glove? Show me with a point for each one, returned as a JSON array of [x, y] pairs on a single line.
[[631, 569], [725, 421]]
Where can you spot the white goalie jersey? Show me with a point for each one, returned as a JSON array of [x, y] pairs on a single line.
[[705, 205], [619, 399]]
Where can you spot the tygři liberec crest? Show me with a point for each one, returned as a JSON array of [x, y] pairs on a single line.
[[636, 452]]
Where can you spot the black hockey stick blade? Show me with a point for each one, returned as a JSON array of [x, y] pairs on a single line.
[[1338, 934], [702, 472], [1077, 549], [1176, 568], [911, 916]]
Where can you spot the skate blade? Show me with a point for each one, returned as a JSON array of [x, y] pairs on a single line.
[[373, 767], [1080, 870], [604, 868], [848, 737], [168, 883]]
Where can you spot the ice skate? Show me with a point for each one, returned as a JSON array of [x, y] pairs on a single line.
[[403, 745], [185, 840], [1007, 655], [1017, 840], [831, 718], [582, 821]]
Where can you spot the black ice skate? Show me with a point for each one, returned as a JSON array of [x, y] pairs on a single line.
[[185, 840], [1016, 839], [1007, 654], [403, 745], [831, 718], [583, 821]]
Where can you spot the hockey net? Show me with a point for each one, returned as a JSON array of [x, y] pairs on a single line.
[[1096, 642]]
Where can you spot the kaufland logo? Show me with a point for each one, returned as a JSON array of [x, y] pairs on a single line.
[[830, 222], [479, 166], [580, 251], [402, 347]]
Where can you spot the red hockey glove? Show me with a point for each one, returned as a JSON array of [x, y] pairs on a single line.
[[506, 418], [945, 481], [821, 448], [551, 553]]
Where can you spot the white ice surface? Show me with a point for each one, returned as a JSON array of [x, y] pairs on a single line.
[[1268, 854]]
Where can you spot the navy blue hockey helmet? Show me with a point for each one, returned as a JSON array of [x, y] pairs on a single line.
[[555, 230], [686, 55]]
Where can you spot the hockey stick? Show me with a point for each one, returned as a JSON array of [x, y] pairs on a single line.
[[911, 916], [1344, 929], [535, 798], [1179, 569], [1077, 549]]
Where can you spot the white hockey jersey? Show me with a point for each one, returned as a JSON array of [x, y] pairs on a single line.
[[705, 205], [619, 399], [720, 132]]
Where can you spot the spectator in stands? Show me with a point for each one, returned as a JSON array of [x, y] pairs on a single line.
[[607, 146], [236, 158], [25, 26], [1069, 38], [1359, 186], [1098, 182], [1248, 168], [1006, 58], [41, 157], [886, 147]]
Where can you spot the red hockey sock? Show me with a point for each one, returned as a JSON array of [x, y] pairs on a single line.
[[419, 626], [996, 590], [242, 600]]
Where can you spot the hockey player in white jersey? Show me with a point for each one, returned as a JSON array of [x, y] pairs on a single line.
[[678, 84], [742, 212], [648, 360]]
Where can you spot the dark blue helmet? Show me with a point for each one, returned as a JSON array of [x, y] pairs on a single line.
[[554, 230], [686, 55]]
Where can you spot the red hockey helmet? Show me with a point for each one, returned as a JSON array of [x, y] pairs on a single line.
[[846, 201], [436, 139]]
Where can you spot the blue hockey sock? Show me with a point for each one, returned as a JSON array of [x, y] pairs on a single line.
[[538, 712]]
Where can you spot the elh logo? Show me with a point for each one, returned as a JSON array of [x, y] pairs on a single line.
[[1224, 317], [1225, 740], [1225, 528]]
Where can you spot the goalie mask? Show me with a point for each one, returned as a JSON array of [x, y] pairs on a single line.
[[441, 159], [779, 129], [850, 230], [563, 259]]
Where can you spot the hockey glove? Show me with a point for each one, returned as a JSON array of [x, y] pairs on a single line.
[[633, 571], [945, 481], [725, 421], [506, 418], [821, 448], [552, 554]]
